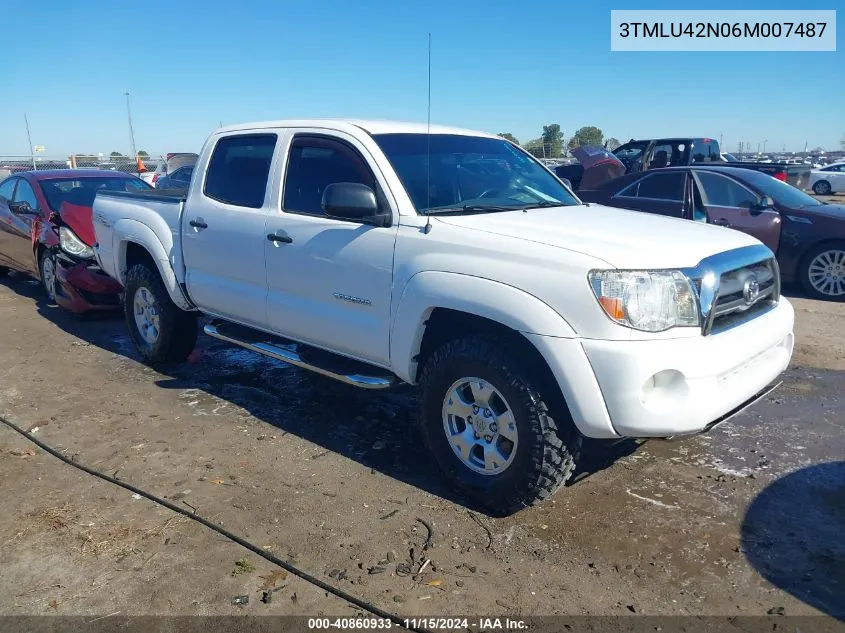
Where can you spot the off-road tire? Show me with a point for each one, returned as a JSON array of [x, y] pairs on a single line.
[[3, 271], [822, 188], [549, 444], [178, 328]]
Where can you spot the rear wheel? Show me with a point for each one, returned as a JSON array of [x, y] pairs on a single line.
[[47, 269], [161, 331], [497, 434], [822, 188], [822, 271]]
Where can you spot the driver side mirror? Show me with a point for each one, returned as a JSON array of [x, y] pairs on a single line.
[[766, 202], [22, 208], [353, 201]]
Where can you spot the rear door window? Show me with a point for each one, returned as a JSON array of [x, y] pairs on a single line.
[[7, 188], [239, 169], [665, 186]]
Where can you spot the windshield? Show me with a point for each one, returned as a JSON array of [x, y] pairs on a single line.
[[445, 173], [781, 192], [81, 190]]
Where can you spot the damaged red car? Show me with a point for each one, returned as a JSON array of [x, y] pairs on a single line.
[[47, 231]]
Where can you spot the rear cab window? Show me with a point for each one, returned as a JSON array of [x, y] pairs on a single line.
[[239, 169]]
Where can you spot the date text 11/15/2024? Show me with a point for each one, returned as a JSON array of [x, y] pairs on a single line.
[[429, 623]]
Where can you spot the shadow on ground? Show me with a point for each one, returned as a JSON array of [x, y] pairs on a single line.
[[375, 429], [793, 534]]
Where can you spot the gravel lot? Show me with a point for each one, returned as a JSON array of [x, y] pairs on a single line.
[[746, 520]]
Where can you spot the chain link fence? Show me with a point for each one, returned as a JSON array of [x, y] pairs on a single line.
[[143, 165]]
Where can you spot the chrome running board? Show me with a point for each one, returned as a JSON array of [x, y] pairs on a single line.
[[268, 347]]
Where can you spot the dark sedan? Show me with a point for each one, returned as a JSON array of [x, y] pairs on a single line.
[[808, 236], [47, 231]]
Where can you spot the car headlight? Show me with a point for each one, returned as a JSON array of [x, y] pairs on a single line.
[[71, 244], [651, 301]]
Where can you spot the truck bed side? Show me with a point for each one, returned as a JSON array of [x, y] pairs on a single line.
[[150, 220]]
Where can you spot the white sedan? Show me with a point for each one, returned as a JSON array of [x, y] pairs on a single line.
[[827, 180]]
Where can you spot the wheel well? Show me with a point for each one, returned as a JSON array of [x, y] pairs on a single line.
[[803, 259], [137, 254], [445, 324]]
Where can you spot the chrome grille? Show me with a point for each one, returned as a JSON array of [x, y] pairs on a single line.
[[745, 293], [736, 286]]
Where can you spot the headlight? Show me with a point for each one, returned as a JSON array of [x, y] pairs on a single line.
[[70, 243], [651, 301]]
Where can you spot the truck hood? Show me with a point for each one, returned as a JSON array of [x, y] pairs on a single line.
[[622, 238]]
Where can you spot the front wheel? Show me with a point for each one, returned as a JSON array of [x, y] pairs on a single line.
[[496, 434], [822, 188], [47, 270], [822, 271], [161, 331]]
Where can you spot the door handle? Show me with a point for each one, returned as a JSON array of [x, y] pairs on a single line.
[[198, 223], [722, 222], [284, 239]]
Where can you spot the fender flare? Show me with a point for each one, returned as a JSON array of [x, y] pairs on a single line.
[[132, 231], [504, 304]]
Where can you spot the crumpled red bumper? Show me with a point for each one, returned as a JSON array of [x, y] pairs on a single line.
[[84, 288]]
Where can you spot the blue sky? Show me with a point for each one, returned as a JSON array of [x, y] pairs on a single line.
[[497, 65]]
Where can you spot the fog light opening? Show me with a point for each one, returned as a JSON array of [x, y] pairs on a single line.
[[666, 389]]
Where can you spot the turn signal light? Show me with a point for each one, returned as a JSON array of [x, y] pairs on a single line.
[[613, 307]]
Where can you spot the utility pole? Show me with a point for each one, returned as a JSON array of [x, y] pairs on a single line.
[[29, 140], [764, 145], [758, 147], [131, 131], [720, 140]]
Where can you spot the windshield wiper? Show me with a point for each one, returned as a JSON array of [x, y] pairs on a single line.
[[470, 208], [544, 204]]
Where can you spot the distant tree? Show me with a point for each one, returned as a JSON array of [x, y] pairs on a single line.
[[143, 153], [115, 154], [612, 143], [552, 140], [587, 135], [509, 137], [535, 147]]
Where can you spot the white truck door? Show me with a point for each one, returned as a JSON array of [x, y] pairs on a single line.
[[223, 232], [330, 280]]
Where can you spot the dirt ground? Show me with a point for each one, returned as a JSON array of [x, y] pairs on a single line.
[[747, 520]]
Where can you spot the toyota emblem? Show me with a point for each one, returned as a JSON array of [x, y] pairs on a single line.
[[751, 290]]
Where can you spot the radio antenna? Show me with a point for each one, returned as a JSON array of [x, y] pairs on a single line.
[[427, 228]]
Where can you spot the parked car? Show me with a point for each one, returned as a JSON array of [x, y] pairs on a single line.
[[637, 156], [172, 162], [177, 180], [376, 253], [642, 155], [807, 235], [46, 231], [827, 180]]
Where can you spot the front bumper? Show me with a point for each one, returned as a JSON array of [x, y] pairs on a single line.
[[669, 387], [84, 287]]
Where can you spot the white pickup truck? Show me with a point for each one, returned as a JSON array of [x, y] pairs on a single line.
[[380, 253]]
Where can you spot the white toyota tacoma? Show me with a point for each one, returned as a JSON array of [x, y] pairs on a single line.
[[380, 253]]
